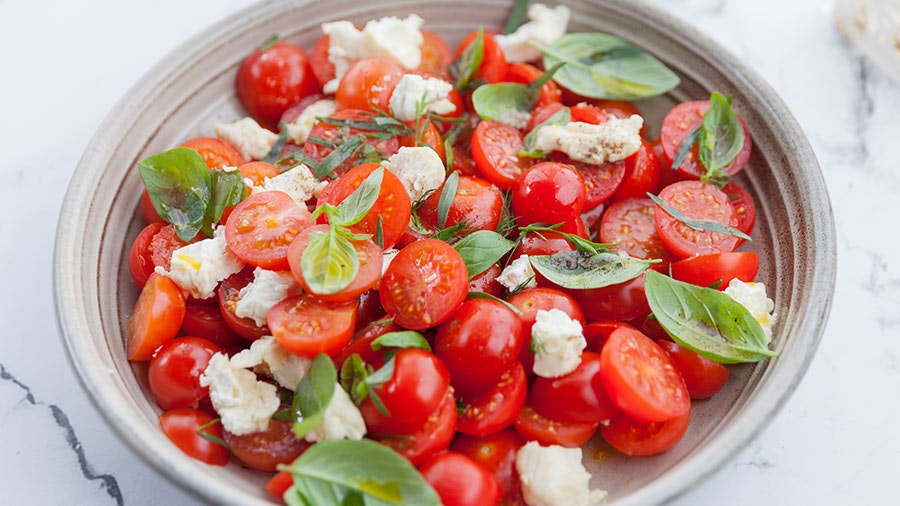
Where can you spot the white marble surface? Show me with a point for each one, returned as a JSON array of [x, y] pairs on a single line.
[[66, 63]]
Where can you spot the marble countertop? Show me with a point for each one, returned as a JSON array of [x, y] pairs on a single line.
[[67, 63]]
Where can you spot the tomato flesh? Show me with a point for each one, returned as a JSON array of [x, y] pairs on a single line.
[[182, 427], [156, 319], [307, 326]]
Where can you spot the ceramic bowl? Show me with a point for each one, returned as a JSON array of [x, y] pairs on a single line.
[[194, 87]]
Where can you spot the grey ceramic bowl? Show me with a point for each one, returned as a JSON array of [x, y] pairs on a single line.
[[182, 97]]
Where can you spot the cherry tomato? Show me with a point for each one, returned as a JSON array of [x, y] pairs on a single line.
[[543, 243], [486, 282], [630, 224], [147, 210], [280, 483], [228, 295], [600, 181], [215, 152], [743, 206], [307, 326], [596, 333], [493, 62], [432, 437], [322, 67], [721, 268], [265, 450], [534, 427], [424, 133], [623, 301], [680, 120], [495, 149], [461, 481], [271, 80], [424, 284], [361, 345], [531, 300], [702, 377], [697, 201], [436, 55], [477, 202], [548, 192], [478, 344], [262, 227], [258, 171], [159, 249], [641, 378], [642, 174], [332, 135], [182, 426], [525, 73], [495, 408], [156, 319], [140, 261], [575, 397], [206, 321], [496, 452], [368, 84], [632, 437], [175, 369]]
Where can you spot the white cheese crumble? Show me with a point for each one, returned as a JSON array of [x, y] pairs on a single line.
[[298, 182], [554, 476], [611, 141], [420, 169], [517, 272], [271, 358], [298, 130], [391, 37], [514, 117], [267, 289], [558, 342], [247, 136], [413, 90], [753, 297], [244, 404], [341, 420], [199, 267], [545, 26]]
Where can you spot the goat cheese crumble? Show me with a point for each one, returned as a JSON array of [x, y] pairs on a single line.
[[197, 268], [753, 297], [244, 404], [545, 25], [413, 90], [611, 141], [248, 137], [557, 341], [420, 169], [554, 476], [517, 272]]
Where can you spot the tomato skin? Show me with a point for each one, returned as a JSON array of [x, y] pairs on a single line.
[[424, 284], [632, 437], [495, 148], [596, 333], [271, 81], [262, 227], [486, 282], [258, 171], [623, 301], [478, 344], [631, 225], [642, 174], [721, 268], [432, 437], [227, 293], [680, 120], [496, 408], [140, 261], [641, 379], [206, 321], [743, 205], [215, 152], [476, 202], [576, 397], [702, 377], [699, 201], [461, 481], [148, 211], [265, 450], [307, 326], [548, 192], [525, 73], [280, 483], [493, 63], [496, 452], [544, 243], [368, 84], [156, 319], [322, 67], [181, 426], [436, 55], [534, 427], [175, 370]]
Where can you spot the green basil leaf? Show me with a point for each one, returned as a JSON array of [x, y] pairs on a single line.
[[508, 103], [400, 339], [698, 224], [340, 154], [706, 320], [466, 66], [329, 263], [561, 117], [275, 152], [179, 186], [228, 189], [269, 42], [448, 192], [331, 473], [580, 270], [519, 10], [353, 373], [685, 148], [484, 295], [355, 207], [600, 65], [482, 249], [721, 135], [314, 393], [378, 378]]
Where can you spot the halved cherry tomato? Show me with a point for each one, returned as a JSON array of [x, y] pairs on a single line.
[[717, 268], [493, 62], [156, 319], [623, 301], [697, 201], [486, 282], [702, 377], [631, 226], [215, 152], [322, 66], [160, 248], [140, 261], [206, 321], [175, 369], [600, 181], [433, 436], [228, 295], [531, 300], [495, 408], [424, 133], [307, 326], [548, 192], [424, 284], [436, 55], [596, 333], [332, 135], [265, 450], [271, 80], [495, 149], [632, 437], [642, 173], [543, 243], [148, 211], [575, 397], [534, 427], [182, 426], [743, 206], [641, 378], [476, 202], [258, 171], [280, 483], [461, 481], [368, 84], [361, 345], [262, 227], [497, 452], [679, 121]]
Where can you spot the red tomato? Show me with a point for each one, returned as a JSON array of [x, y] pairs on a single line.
[[495, 149], [272, 80], [721, 268], [697, 201], [478, 344], [461, 481], [600, 181], [680, 120], [140, 261], [160, 248], [228, 292], [476, 202], [370, 262], [258, 171], [436, 55], [703, 377], [596, 333], [493, 63], [182, 427], [543, 243], [548, 192], [496, 452], [576, 397], [215, 152], [307, 326], [424, 133], [368, 84], [641, 379], [424, 284], [147, 210], [280, 483], [265, 450], [206, 321], [531, 300], [525, 73], [632, 437], [156, 319], [630, 224], [743, 206], [175, 369], [262, 227], [433, 436], [486, 282], [623, 301], [642, 173], [362, 345], [415, 390], [322, 67], [496, 408], [534, 427], [333, 135]]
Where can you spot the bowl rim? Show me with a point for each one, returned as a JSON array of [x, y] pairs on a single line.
[[755, 415]]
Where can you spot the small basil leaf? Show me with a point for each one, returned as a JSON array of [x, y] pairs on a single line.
[[314, 393], [698, 224], [482, 249], [275, 153], [508, 103], [484, 295], [448, 192], [466, 66], [519, 10], [269, 42], [685, 148], [330, 472], [340, 154], [329, 263], [355, 207], [706, 320], [228, 189], [353, 374], [721, 134], [179, 186], [561, 117], [600, 65], [400, 339], [580, 270]]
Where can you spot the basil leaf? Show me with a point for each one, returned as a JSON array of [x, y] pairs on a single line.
[[314, 393], [600, 65], [685, 148], [580, 270], [466, 66], [721, 134], [228, 189], [329, 264], [706, 320], [339, 472], [179, 186], [355, 207], [698, 224], [448, 192], [519, 10], [340, 154], [353, 373], [275, 152], [482, 249], [504, 102], [269, 42], [485, 295], [400, 339]]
